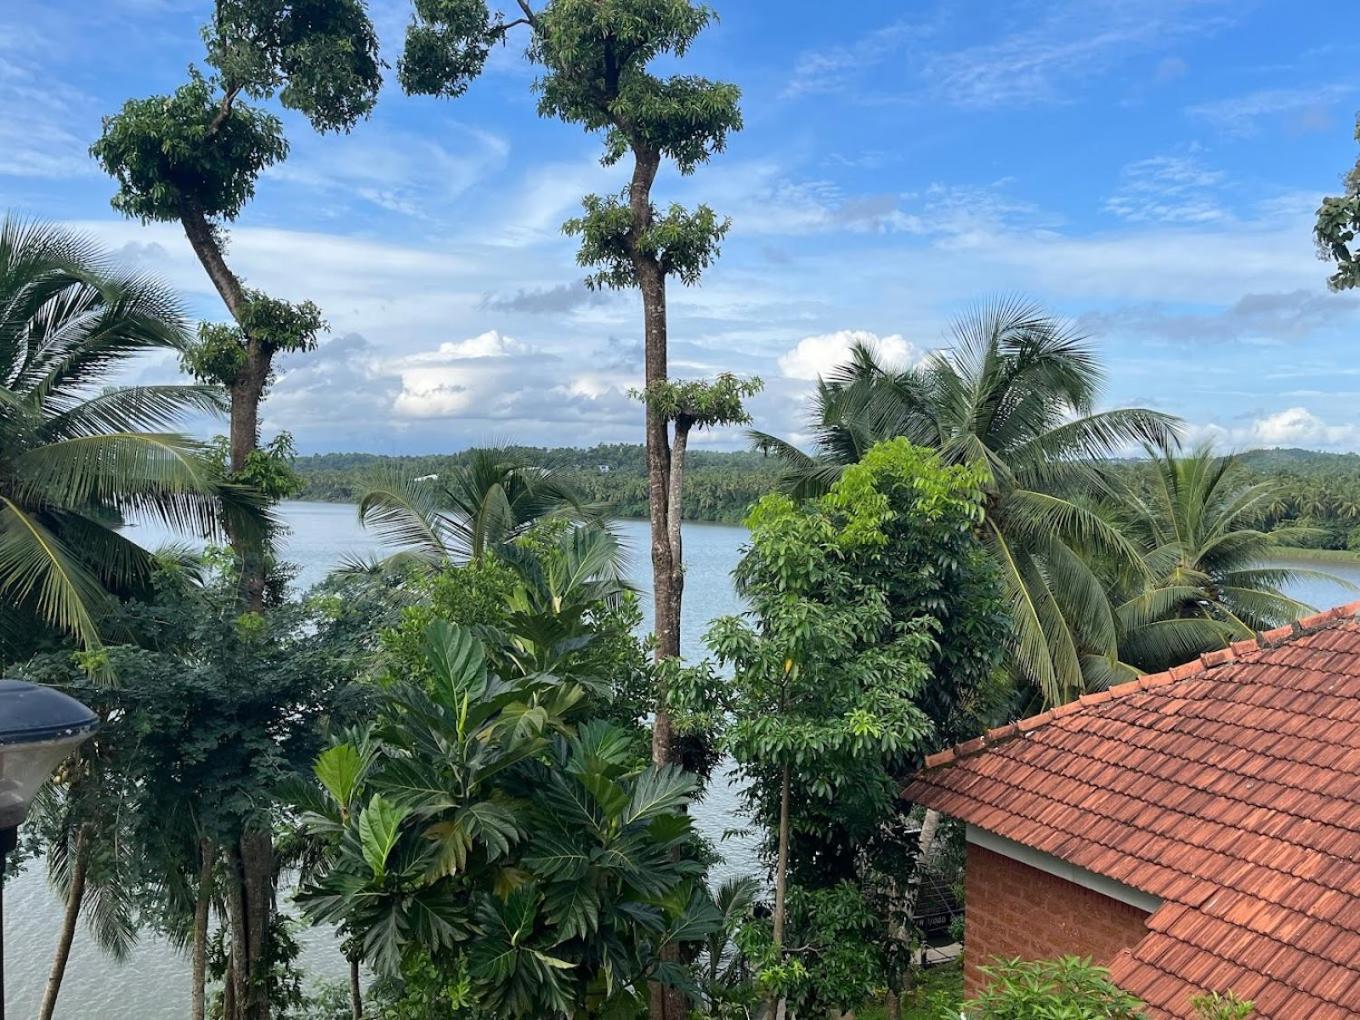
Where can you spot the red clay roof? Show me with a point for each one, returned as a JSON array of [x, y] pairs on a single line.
[[1229, 788]]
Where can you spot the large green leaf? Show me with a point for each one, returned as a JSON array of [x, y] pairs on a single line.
[[379, 829]]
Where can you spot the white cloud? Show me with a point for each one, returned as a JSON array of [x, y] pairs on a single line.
[[1300, 109], [1039, 55], [816, 356], [399, 171], [1292, 427], [1168, 189]]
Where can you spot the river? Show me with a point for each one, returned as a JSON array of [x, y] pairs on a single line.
[[153, 984]]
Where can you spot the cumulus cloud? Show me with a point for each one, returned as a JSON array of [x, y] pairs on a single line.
[[816, 356], [1292, 427]]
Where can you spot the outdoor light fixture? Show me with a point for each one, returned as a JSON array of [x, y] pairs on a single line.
[[39, 727]]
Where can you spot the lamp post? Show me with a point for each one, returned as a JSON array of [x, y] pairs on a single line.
[[39, 727]]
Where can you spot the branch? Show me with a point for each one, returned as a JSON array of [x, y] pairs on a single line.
[[530, 18], [224, 108]]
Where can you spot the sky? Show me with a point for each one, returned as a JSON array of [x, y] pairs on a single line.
[[1148, 169]]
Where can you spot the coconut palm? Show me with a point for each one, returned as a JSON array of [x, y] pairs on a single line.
[[1016, 392], [484, 503], [74, 459], [1200, 535]]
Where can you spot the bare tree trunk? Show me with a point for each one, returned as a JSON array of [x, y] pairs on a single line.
[[75, 896], [246, 394], [238, 969], [206, 246], [675, 516], [781, 873], [356, 993], [246, 390], [257, 871], [202, 906]]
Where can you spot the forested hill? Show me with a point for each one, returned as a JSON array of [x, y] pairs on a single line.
[[719, 485], [1321, 490]]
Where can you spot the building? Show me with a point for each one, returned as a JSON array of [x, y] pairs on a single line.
[[1197, 830]]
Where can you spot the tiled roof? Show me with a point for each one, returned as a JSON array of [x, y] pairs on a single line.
[[1229, 788]]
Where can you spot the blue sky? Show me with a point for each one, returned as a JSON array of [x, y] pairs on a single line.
[[1148, 168]]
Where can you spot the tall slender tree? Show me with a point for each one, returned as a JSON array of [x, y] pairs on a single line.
[[596, 57], [194, 157]]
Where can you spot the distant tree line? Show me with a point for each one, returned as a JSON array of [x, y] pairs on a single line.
[[719, 485], [1317, 491]]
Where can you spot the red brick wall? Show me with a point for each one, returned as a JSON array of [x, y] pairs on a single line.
[[1015, 910]]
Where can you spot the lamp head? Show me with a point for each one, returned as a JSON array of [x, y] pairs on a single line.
[[38, 728]]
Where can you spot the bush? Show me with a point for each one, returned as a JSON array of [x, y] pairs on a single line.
[[1067, 989]]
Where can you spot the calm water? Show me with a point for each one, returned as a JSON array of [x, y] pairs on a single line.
[[154, 983]]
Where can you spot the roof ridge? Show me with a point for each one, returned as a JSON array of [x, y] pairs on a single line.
[[1206, 662]]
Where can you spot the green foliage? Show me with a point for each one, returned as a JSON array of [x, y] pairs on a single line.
[[447, 43], [1017, 394], [480, 504], [1338, 221], [268, 469], [219, 355], [507, 837], [208, 718], [1216, 1006], [176, 152], [549, 603], [75, 460], [841, 960], [595, 58], [1204, 576], [700, 403], [1065, 989], [682, 243], [200, 150], [877, 635], [320, 58]]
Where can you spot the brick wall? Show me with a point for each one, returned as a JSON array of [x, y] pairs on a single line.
[[1015, 910]]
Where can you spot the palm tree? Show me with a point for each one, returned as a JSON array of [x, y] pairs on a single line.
[[1201, 541], [74, 459], [1016, 392], [484, 503]]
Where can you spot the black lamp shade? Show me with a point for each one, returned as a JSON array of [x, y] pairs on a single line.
[[38, 728]]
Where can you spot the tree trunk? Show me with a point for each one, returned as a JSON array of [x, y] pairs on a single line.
[[675, 515], [75, 896], [356, 993], [246, 391], [202, 907], [209, 251], [781, 874], [250, 906]]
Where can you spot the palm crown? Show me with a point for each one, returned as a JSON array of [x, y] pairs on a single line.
[[1016, 392], [73, 458]]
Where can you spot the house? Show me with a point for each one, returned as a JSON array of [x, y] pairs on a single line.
[[1197, 830]]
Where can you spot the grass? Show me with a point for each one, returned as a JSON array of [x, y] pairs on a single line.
[[936, 986]]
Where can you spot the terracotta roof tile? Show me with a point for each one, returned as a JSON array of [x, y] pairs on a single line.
[[1229, 788]]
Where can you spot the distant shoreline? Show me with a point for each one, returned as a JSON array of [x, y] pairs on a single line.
[[1291, 552]]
